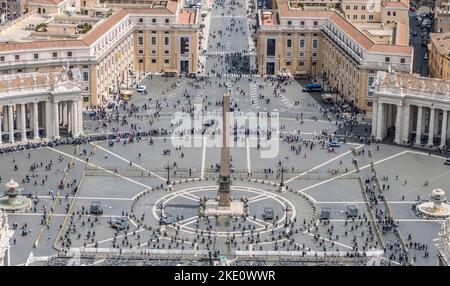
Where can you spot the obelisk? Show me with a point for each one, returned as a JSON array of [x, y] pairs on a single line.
[[224, 178]]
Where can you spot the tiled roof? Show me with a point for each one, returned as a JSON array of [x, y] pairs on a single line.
[[187, 17], [101, 28], [345, 26], [36, 45]]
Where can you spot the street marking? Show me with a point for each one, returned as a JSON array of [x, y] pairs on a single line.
[[126, 160], [100, 168], [249, 169], [350, 172], [202, 176], [323, 164]]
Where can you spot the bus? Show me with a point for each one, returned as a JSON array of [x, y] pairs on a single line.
[[313, 87]]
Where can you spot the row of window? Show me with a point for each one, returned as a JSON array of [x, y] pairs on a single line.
[[315, 43], [141, 20], [153, 52], [153, 40], [302, 23], [300, 63], [36, 56], [362, 17], [301, 55], [153, 61], [355, 7]]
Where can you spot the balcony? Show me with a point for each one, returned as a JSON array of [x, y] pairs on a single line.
[[341, 45]]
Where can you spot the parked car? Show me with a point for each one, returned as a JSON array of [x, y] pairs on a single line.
[[96, 208], [334, 144], [447, 162], [268, 214], [141, 88], [325, 214], [119, 223], [352, 211]]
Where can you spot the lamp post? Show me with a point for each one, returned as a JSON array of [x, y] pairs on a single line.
[[283, 169]]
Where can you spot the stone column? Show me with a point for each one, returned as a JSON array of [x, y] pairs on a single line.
[[444, 128], [75, 115], [18, 116], [65, 114], [406, 125], [35, 121], [380, 121], [48, 120], [11, 123], [23, 122], [5, 118], [55, 121], [419, 125], [374, 118], [398, 124], [80, 116], [431, 127], [69, 116]]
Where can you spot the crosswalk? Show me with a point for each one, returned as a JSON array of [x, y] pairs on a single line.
[[216, 53], [286, 101], [180, 86], [232, 75], [230, 16], [254, 94]]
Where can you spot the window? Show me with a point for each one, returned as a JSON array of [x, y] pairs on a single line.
[[370, 17], [153, 41], [153, 20], [141, 61], [302, 43], [314, 44], [289, 43], [289, 23], [167, 21], [387, 59], [288, 54], [301, 55], [85, 76], [69, 54], [402, 60], [301, 63], [389, 13], [17, 57], [347, 7], [166, 52], [166, 41], [371, 80], [363, 7], [302, 23], [153, 61], [153, 52], [394, 13], [288, 63], [140, 40], [314, 55], [363, 17], [355, 17], [2, 58], [141, 52], [141, 20], [369, 103], [184, 45], [166, 61], [316, 23], [36, 56], [355, 7], [55, 54], [270, 47]]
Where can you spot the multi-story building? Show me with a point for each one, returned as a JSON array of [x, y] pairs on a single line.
[[109, 47], [442, 18], [376, 11], [325, 44], [439, 55]]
